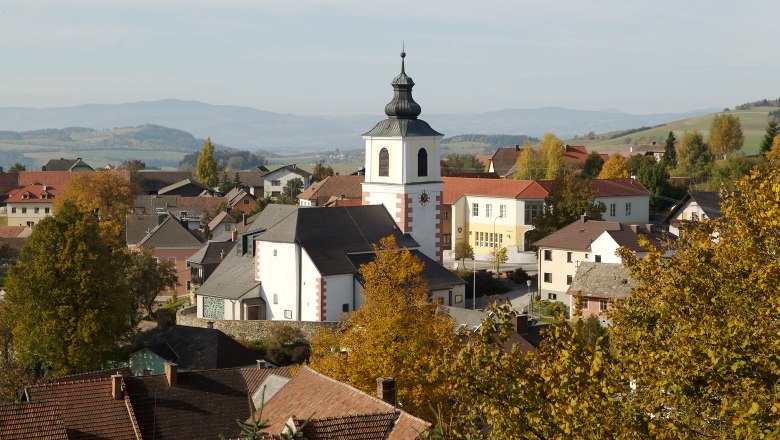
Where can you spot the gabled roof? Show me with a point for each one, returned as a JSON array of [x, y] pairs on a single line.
[[708, 201], [437, 276], [57, 178], [138, 226], [15, 231], [170, 234], [88, 409], [100, 374], [181, 184], [32, 420], [504, 160], [65, 165], [212, 253], [232, 279], [200, 204], [8, 182], [457, 187], [289, 168], [350, 427], [151, 181], [329, 234], [203, 404], [578, 235], [35, 193], [609, 187], [628, 237], [313, 393], [235, 195], [601, 280], [253, 177], [334, 186], [222, 217], [197, 348]]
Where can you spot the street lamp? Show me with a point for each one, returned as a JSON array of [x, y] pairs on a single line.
[[474, 286], [530, 298], [495, 241]]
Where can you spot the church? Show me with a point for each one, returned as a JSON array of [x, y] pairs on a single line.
[[301, 263]]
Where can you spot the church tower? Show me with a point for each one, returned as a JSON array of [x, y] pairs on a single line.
[[403, 168]]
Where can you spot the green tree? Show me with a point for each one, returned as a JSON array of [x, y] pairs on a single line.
[[133, 165], [614, 168], [17, 167], [725, 135], [321, 172], [237, 180], [698, 335], [398, 332], [463, 250], [694, 157], [593, 165], [207, 170], [569, 198], [226, 185], [772, 130], [146, 278], [290, 191], [670, 153], [655, 177], [66, 300], [461, 163]]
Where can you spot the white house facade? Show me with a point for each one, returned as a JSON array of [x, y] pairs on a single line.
[[275, 181]]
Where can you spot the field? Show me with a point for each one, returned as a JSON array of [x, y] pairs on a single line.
[[471, 148], [753, 127]]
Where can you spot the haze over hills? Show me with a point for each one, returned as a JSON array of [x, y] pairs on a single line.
[[253, 129]]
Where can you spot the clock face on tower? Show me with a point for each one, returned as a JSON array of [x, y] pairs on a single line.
[[424, 198]]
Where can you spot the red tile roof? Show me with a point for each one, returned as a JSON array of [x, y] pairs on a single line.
[[457, 187], [313, 393], [609, 187], [15, 231], [334, 186], [504, 160], [33, 421], [35, 193], [88, 409], [57, 178], [353, 427]]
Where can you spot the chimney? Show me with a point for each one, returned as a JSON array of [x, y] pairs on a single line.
[[634, 228], [385, 389], [522, 324], [116, 387], [162, 318], [221, 255], [233, 235], [243, 219], [171, 373], [584, 217], [649, 227], [210, 324], [517, 147], [261, 364]]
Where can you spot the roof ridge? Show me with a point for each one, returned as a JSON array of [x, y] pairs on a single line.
[[69, 382]]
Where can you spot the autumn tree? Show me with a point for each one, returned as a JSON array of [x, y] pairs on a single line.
[[614, 168], [463, 250], [698, 335], [529, 165], [398, 332], [725, 135], [670, 153], [321, 172], [774, 154], [551, 152], [593, 165], [569, 198], [146, 278], [207, 169], [498, 256], [461, 163], [694, 157], [772, 130], [66, 300], [110, 195]]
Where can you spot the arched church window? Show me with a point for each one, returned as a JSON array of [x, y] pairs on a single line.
[[422, 162], [384, 162]]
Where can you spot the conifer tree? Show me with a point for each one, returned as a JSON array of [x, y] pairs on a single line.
[[207, 169], [772, 130], [670, 153]]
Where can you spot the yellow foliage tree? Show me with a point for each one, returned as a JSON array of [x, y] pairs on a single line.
[[398, 332], [528, 164], [110, 195], [551, 151], [773, 156], [614, 168], [725, 135]]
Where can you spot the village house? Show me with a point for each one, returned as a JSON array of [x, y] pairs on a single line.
[[239, 199], [26, 206], [598, 284], [333, 188], [252, 180], [274, 181], [585, 240], [695, 206], [503, 161], [67, 165]]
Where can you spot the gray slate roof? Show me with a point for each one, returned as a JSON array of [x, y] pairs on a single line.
[[601, 280], [708, 201], [232, 279], [212, 252], [402, 127], [170, 234], [151, 181], [181, 184], [437, 276], [64, 164], [138, 226]]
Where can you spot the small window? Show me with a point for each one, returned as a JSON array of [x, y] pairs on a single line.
[[568, 257], [603, 303], [188, 285], [458, 299], [172, 259], [246, 201], [488, 210], [276, 183], [345, 308], [475, 209], [587, 256], [276, 299], [274, 252], [628, 208], [598, 258], [694, 216], [584, 303], [288, 314], [502, 211], [37, 210], [569, 279], [13, 210], [384, 163], [547, 255], [24, 210], [612, 209], [547, 277], [447, 238], [551, 295], [30, 224], [45, 210], [422, 162], [446, 215]]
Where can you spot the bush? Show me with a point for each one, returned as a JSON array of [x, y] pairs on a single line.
[[278, 356], [486, 284], [282, 335], [519, 276], [300, 353]]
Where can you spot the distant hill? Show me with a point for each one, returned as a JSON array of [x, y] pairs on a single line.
[[753, 121], [252, 129]]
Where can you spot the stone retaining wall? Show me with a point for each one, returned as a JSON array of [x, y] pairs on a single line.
[[251, 330]]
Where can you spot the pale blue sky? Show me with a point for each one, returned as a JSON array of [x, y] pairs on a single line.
[[338, 57]]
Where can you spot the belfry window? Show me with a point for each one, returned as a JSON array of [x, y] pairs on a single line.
[[384, 162], [422, 162]]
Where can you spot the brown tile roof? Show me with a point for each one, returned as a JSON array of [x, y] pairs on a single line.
[[15, 231], [102, 374], [33, 421], [88, 409], [353, 427], [34, 194], [253, 177], [201, 203], [628, 237], [8, 182], [578, 235], [335, 202], [334, 186], [609, 187], [58, 178], [312, 393], [457, 187], [222, 217], [203, 404], [504, 160], [601, 280]]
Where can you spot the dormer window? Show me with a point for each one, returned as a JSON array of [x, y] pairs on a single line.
[[25, 196], [44, 196]]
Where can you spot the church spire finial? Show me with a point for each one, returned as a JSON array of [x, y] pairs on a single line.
[[403, 55]]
